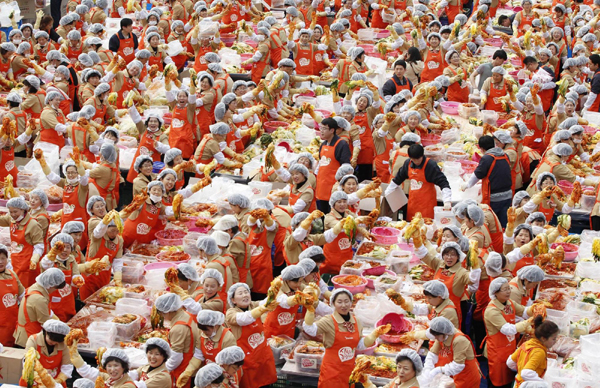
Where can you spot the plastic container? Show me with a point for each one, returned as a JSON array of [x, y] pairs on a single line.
[[382, 283], [352, 289], [228, 39], [430, 139], [578, 310], [157, 167], [400, 264], [588, 202], [385, 235], [132, 306], [271, 126], [102, 334], [443, 217], [589, 235], [260, 189], [456, 155], [400, 325], [450, 107], [590, 343], [588, 363], [435, 152], [133, 271], [489, 117], [468, 166], [561, 318], [352, 270], [170, 237], [161, 258], [126, 332], [571, 250], [309, 363], [282, 349]]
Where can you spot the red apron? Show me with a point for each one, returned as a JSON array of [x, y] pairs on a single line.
[[243, 270], [205, 117], [328, 166], [366, 154], [139, 229], [200, 63], [95, 282], [525, 261], [103, 191], [182, 133], [210, 349], [295, 196], [84, 149], [9, 289], [485, 182], [500, 347], [382, 161], [281, 321], [234, 15], [452, 11], [456, 92], [49, 135], [434, 66], [7, 164], [538, 134], [127, 86], [471, 375], [72, 211], [525, 21], [259, 364], [280, 235], [62, 302], [492, 102], [31, 327], [146, 147], [261, 267], [99, 116], [21, 252], [338, 361], [400, 88], [156, 60], [51, 363], [304, 60], [336, 254], [126, 48], [276, 48], [187, 356], [258, 69], [422, 196], [447, 277], [223, 293]]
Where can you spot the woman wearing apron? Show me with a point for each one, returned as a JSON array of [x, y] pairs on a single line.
[[62, 302], [76, 229], [243, 318], [183, 134], [524, 284], [342, 336], [146, 217], [154, 374], [238, 246], [383, 143], [52, 120], [231, 360], [210, 251], [54, 354], [544, 200], [205, 104], [153, 142], [114, 361], [263, 229], [142, 166], [105, 176], [207, 294], [11, 291], [459, 88]]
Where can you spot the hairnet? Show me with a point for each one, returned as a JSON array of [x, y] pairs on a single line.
[[67, 19], [207, 374], [168, 303], [546, 51], [299, 168], [114, 352], [96, 28], [368, 95], [503, 137], [189, 272], [308, 265], [94, 40], [349, 109], [63, 237], [531, 273], [220, 110], [263, 203], [339, 27], [232, 289], [519, 196], [535, 216], [207, 245], [175, 24], [298, 218], [140, 160], [210, 318], [83, 383], [213, 274], [271, 20], [376, 119], [100, 89], [436, 288], [343, 170], [338, 291], [308, 156], [239, 200], [14, 97], [311, 252], [575, 129], [562, 149], [82, 9], [358, 77], [215, 67], [18, 203], [228, 98], [55, 326], [337, 196], [414, 358], [135, 63], [493, 264], [219, 129], [87, 111], [456, 247], [346, 177], [230, 355], [476, 214], [495, 286], [434, 35], [237, 84], [142, 54], [171, 154], [108, 152], [454, 229], [73, 227], [442, 325], [562, 134], [41, 34], [589, 37], [52, 277], [166, 172], [63, 70], [51, 96], [222, 238], [74, 35], [568, 123], [23, 48], [161, 343], [226, 222], [157, 183], [357, 52], [499, 70], [542, 177], [287, 62], [411, 113], [523, 130], [92, 200], [413, 137], [345, 13], [292, 272]]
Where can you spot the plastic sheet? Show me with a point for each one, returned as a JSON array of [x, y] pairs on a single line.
[[230, 57]]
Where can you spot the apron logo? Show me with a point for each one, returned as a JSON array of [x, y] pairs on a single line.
[[111, 245], [285, 319], [9, 300], [304, 62], [68, 208], [177, 123], [143, 229], [344, 243], [309, 363], [256, 250], [98, 120], [433, 65], [319, 57], [415, 184], [65, 291], [346, 354], [202, 60], [16, 248], [9, 165], [145, 151], [444, 352], [127, 51], [152, 209], [325, 161], [209, 345], [256, 339], [233, 17], [255, 191], [361, 129], [69, 189]]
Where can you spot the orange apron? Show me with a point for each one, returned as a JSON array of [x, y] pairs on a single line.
[[223, 293], [127, 86], [7, 164], [276, 48], [99, 116], [304, 60], [485, 182], [280, 235], [400, 88], [470, 376], [538, 133], [434, 66], [259, 364], [261, 267], [447, 277], [295, 196], [51, 363], [9, 308], [366, 154], [95, 282], [206, 117], [200, 63], [456, 92], [382, 161], [596, 105], [435, 314], [31, 327], [336, 254], [182, 134], [104, 191], [21, 252], [211, 349], [62, 302], [72, 211], [525, 21], [50, 135], [492, 102], [525, 261], [338, 361], [500, 347], [281, 321], [139, 229], [243, 270], [258, 69], [422, 196], [187, 356], [146, 147], [76, 129], [126, 48], [328, 166]]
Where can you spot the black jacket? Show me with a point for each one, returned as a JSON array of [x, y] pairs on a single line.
[[433, 174], [500, 178]]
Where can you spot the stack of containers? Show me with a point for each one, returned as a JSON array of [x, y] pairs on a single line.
[[102, 334]]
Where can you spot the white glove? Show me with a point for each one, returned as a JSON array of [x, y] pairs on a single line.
[[463, 186], [94, 149]]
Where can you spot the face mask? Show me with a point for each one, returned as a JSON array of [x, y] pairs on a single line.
[[577, 141], [35, 209], [20, 218], [57, 79], [153, 22], [109, 141], [72, 181], [588, 17], [17, 41], [537, 230], [260, 38], [580, 23], [155, 198]]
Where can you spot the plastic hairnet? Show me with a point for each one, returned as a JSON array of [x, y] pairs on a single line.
[[531, 273], [299, 168], [23, 48], [311, 252], [436, 288], [263, 203], [82, 9], [519, 196], [157, 183], [208, 245], [63, 70], [292, 272], [414, 358], [140, 160], [230, 355], [308, 265], [357, 52], [342, 123], [454, 229], [111, 130], [73, 227], [344, 169], [570, 62], [339, 27], [562, 134], [222, 238], [495, 286], [67, 19], [522, 127], [562, 149], [476, 214], [237, 84], [503, 136], [51, 96], [298, 218], [565, 125], [493, 264], [41, 34], [14, 97], [210, 318], [219, 129], [56, 326], [499, 70], [52, 277], [359, 77], [448, 56], [102, 3], [346, 177], [589, 37], [376, 119], [135, 63], [460, 209], [232, 289], [521, 227], [239, 200], [575, 129], [263, 30], [161, 343], [434, 35], [168, 303], [442, 325], [83, 383], [212, 274], [337, 196], [207, 374], [349, 109], [53, 55], [74, 35], [220, 110], [142, 54], [411, 113], [226, 222], [536, 216], [63, 237], [413, 137], [108, 152], [215, 67], [545, 51], [543, 177], [175, 24], [456, 247], [338, 291], [87, 111], [96, 28], [171, 154], [189, 272], [93, 199], [345, 13], [18, 203], [114, 352], [165, 172]]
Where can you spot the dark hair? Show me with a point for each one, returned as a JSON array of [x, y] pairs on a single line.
[[46, 20], [452, 248], [203, 327], [529, 60], [435, 333], [400, 62], [146, 161], [406, 142], [320, 258], [218, 380], [181, 276], [3, 51], [4, 250], [112, 358], [235, 230], [400, 358], [544, 329], [55, 337], [13, 104], [414, 55], [486, 142], [504, 261], [32, 90], [126, 22], [595, 59], [415, 151], [159, 124], [515, 233], [160, 350], [239, 363], [500, 53], [340, 293], [330, 122], [429, 294], [62, 285], [500, 20]]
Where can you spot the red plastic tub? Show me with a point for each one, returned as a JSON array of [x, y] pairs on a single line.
[[352, 289], [565, 186], [571, 250], [271, 126], [170, 237], [468, 166], [185, 257], [251, 43], [228, 39], [385, 235], [245, 57], [430, 139], [590, 130], [369, 48], [400, 325], [450, 107]]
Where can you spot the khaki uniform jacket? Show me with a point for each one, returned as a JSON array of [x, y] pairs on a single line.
[[37, 309]]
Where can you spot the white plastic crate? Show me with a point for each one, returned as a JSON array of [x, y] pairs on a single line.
[[126, 332], [102, 334], [132, 306], [133, 271]]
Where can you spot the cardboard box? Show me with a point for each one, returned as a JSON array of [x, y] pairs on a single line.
[[11, 365]]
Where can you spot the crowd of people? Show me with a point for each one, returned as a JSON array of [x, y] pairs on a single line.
[[267, 263]]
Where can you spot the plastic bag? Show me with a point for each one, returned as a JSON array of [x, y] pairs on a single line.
[[230, 57], [564, 346], [364, 311], [175, 48], [450, 136]]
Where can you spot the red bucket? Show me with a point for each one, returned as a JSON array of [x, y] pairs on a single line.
[[271, 126], [430, 139]]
